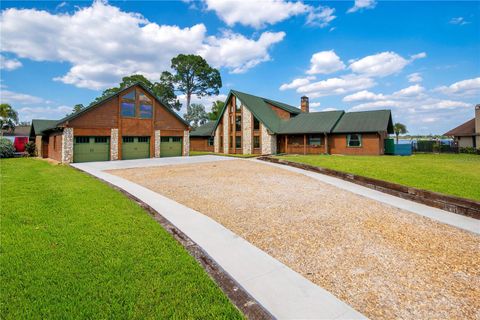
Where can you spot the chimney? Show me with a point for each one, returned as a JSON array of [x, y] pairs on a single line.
[[304, 104]]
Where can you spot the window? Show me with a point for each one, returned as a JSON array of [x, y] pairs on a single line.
[[238, 142], [127, 139], [81, 139], [176, 139], [238, 103], [128, 104], [221, 143], [354, 140], [256, 124], [146, 107], [164, 139], [101, 139], [129, 96], [256, 142], [142, 139], [238, 123], [210, 141], [314, 140]]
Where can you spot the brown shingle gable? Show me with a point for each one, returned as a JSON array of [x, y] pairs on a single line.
[[465, 129]]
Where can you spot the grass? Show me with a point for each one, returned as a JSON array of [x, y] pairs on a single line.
[[203, 153], [72, 247], [452, 174]]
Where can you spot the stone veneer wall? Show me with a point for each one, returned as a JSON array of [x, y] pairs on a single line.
[[246, 131], [157, 144], [269, 141], [226, 125], [216, 141], [38, 146], [67, 145], [114, 144], [186, 143]]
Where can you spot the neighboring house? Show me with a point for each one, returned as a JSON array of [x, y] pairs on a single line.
[[467, 135], [253, 125], [19, 137], [130, 124], [201, 138]]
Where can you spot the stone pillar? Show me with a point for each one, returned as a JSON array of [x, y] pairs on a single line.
[[186, 143], [113, 144], [39, 146], [226, 127], [216, 140], [246, 131], [269, 141], [67, 145], [157, 144]]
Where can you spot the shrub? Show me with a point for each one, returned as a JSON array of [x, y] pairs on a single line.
[[6, 148], [31, 149], [470, 150]]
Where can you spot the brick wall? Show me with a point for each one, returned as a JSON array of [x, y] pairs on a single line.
[[371, 145]]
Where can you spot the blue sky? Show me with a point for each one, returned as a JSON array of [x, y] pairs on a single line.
[[419, 59]]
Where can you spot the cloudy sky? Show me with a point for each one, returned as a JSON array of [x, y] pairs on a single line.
[[419, 59]]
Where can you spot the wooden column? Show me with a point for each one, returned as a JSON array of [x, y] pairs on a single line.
[[304, 144], [326, 143], [286, 143]]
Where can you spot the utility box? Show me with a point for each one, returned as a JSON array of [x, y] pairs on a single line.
[[403, 149], [389, 146]]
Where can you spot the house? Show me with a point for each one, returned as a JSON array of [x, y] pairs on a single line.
[[467, 135], [250, 124], [131, 124], [201, 138], [19, 137]]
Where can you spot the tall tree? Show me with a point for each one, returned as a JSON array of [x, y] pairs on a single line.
[[217, 106], [8, 118], [192, 75], [399, 128], [77, 108], [196, 115]]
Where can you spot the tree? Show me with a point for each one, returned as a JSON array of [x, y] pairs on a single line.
[[8, 118], [77, 108], [217, 107], [164, 89], [399, 129], [194, 76], [196, 115]]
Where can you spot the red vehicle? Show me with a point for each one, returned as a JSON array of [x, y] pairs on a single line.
[[19, 143]]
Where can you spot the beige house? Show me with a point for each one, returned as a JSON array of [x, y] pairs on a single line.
[[467, 135]]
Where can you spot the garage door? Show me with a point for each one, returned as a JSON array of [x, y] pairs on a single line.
[[87, 149], [170, 147], [135, 148]]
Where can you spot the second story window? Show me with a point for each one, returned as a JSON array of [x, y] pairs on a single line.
[[146, 106], [128, 104], [256, 124], [237, 104], [238, 123]]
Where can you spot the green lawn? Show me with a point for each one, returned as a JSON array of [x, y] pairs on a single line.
[[203, 153], [454, 174], [72, 247]]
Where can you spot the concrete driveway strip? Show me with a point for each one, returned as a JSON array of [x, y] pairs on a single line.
[[456, 220], [280, 290]]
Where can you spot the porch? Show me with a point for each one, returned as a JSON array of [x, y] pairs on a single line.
[[302, 143]]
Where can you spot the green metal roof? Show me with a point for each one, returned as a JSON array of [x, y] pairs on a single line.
[[365, 121], [39, 125], [314, 122], [205, 130], [76, 114]]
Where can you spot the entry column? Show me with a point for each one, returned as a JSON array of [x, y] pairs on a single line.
[[157, 144], [114, 144]]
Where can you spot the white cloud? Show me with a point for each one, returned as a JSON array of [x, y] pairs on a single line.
[[296, 83], [103, 43], [9, 64], [411, 91], [336, 86], [468, 87], [258, 14], [459, 21], [362, 4], [415, 77], [29, 113], [382, 64], [14, 98], [325, 62], [237, 52], [363, 95], [329, 109]]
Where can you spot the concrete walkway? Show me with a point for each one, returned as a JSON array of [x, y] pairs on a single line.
[[280, 290], [456, 220]]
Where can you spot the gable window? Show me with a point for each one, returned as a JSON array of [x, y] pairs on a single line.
[[354, 140], [314, 140], [128, 104], [238, 103], [256, 124], [210, 141], [238, 142], [146, 106], [238, 123], [256, 142]]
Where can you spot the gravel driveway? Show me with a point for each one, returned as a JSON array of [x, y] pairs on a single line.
[[385, 262]]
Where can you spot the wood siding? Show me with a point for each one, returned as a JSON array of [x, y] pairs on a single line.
[[200, 144], [102, 116], [55, 146], [285, 115], [371, 145]]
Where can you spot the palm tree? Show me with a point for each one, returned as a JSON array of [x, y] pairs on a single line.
[[399, 128], [8, 118]]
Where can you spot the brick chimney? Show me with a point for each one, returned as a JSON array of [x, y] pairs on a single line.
[[304, 104]]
